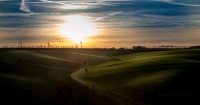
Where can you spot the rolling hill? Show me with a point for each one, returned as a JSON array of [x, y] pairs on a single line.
[[40, 77], [157, 78]]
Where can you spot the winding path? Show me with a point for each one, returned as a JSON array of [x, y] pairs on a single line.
[[112, 96]]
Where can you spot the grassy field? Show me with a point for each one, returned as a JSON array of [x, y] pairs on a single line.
[[42, 77], [149, 78]]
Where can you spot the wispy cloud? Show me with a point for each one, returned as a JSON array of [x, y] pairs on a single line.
[[178, 3], [27, 14], [163, 0], [16, 14], [57, 2], [132, 21], [5, 0], [24, 7], [185, 4], [107, 16], [164, 19]]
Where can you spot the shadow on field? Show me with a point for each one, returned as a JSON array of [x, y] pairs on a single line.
[[63, 94], [30, 78]]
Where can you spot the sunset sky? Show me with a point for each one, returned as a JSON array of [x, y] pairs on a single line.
[[100, 23]]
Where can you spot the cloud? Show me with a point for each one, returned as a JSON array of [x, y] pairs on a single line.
[[107, 16], [119, 20], [185, 4], [56, 2], [163, 0], [178, 2], [16, 14], [161, 19], [74, 4], [24, 7]]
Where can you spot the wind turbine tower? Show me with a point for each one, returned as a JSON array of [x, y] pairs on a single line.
[[20, 44], [48, 45], [81, 44]]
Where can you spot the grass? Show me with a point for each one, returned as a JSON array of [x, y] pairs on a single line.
[[40, 77], [142, 77], [92, 57]]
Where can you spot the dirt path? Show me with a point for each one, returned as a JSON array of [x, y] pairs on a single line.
[[112, 96]]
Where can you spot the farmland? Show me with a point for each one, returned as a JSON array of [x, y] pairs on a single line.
[[157, 78]]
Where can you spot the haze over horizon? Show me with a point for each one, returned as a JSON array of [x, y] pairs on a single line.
[[100, 23]]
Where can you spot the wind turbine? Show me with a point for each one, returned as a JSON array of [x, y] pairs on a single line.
[[81, 44], [48, 45], [76, 45], [20, 44]]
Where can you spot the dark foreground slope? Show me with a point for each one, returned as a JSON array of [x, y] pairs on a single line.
[[42, 77], [150, 78]]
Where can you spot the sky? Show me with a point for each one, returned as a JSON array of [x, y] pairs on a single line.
[[100, 23]]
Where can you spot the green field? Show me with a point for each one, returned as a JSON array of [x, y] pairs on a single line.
[[42, 77], [148, 78]]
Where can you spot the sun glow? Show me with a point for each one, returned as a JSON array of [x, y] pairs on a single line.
[[77, 28]]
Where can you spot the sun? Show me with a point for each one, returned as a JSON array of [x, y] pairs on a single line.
[[77, 28]]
